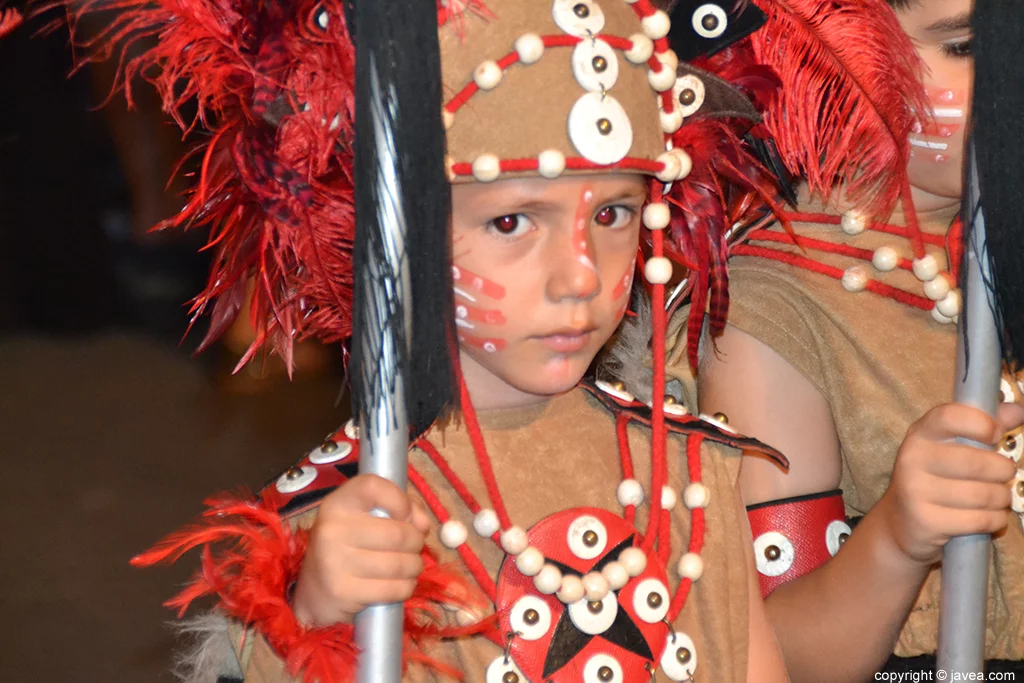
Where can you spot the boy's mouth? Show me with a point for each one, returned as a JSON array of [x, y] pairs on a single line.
[[567, 340]]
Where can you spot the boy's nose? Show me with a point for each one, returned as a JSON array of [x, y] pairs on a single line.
[[573, 272]]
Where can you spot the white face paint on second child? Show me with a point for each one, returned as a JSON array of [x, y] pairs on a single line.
[[541, 271], [940, 30]]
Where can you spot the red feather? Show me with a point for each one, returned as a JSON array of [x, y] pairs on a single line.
[[9, 20], [274, 85], [850, 90], [251, 578]]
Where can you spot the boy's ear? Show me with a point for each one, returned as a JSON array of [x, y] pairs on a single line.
[[704, 27], [703, 95]]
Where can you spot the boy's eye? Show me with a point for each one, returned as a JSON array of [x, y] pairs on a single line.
[[512, 224], [612, 216], [963, 49]]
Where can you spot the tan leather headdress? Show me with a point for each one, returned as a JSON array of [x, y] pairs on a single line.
[[557, 86]]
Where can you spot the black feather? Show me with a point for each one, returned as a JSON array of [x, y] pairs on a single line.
[[999, 150], [400, 173]]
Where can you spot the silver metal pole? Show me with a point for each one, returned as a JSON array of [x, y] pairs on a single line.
[[383, 430], [964, 595]]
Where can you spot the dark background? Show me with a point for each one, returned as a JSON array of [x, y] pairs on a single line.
[[110, 433]]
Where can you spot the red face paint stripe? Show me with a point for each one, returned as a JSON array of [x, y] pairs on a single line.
[[478, 315], [465, 278], [624, 284], [489, 345]]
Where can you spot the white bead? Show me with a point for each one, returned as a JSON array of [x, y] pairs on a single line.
[[696, 495], [551, 163], [937, 288], [486, 168], [691, 566], [634, 560], [661, 80], [668, 498], [487, 75], [641, 49], [685, 162], [656, 25], [530, 48], [595, 587], [926, 268], [672, 120], [939, 318], [352, 430], [453, 534], [486, 522], [658, 270], [885, 259], [448, 118], [671, 168], [855, 279], [530, 561], [571, 590], [854, 223], [657, 216], [950, 305], [548, 580], [514, 540], [616, 575], [669, 59], [630, 492]]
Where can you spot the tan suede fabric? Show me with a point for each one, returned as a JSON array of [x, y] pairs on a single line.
[[527, 112], [881, 365], [565, 455]]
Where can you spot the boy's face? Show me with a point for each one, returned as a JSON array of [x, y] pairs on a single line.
[[941, 32], [542, 273]]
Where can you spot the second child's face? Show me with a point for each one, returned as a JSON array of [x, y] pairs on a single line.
[[542, 274], [941, 33]]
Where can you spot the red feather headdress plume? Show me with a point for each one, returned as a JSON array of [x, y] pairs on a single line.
[[727, 186], [9, 20], [274, 88], [850, 94]]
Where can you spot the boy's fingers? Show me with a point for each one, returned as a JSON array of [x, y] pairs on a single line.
[[383, 535], [419, 517], [385, 566], [969, 495], [369, 492], [953, 420], [1010, 416], [966, 463]]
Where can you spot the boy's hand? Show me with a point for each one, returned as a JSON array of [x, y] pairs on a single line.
[[942, 489], [355, 559]]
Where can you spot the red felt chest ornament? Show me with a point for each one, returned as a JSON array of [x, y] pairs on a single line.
[[618, 638]]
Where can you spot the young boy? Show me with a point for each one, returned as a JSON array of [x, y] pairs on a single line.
[[531, 539], [863, 350]]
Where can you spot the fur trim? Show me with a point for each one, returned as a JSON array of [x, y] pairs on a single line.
[[251, 579], [628, 359], [209, 655]]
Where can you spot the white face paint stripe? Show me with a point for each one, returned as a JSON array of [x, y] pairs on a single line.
[[463, 294], [459, 322], [929, 145], [947, 113]]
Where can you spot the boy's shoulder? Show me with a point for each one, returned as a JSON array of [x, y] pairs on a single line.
[[301, 487], [323, 469]]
